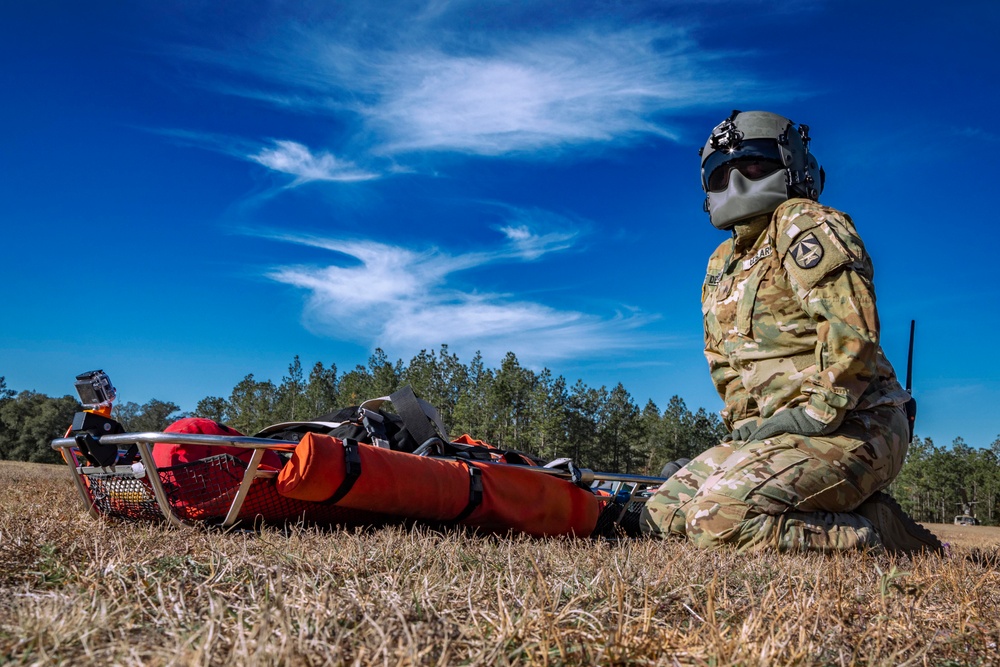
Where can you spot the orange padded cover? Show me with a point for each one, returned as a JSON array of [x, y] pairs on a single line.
[[421, 487], [390, 483], [315, 470], [522, 499]]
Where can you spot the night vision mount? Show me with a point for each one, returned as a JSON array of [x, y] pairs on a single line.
[[727, 136]]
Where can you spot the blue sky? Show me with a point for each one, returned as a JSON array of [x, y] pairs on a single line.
[[193, 191]]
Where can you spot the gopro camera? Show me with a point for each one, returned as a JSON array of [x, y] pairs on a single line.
[[95, 389]]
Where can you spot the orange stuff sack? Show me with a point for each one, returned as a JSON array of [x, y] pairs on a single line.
[[434, 489], [390, 482], [315, 471], [466, 439], [519, 498]]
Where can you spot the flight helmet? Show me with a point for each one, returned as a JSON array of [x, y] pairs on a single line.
[[752, 162]]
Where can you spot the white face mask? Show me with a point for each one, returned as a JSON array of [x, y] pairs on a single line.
[[744, 198]]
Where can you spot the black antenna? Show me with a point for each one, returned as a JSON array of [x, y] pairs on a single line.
[[909, 361], [911, 405]]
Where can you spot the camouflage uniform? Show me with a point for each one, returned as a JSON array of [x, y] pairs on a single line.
[[790, 321]]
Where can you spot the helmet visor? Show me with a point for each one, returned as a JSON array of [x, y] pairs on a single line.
[[755, 159]]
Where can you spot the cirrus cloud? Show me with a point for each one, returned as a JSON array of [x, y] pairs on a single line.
[[511, 92], [405, 300], [289, 157]]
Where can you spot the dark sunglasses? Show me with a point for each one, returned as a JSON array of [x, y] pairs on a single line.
[[751, 167], [754, 158]]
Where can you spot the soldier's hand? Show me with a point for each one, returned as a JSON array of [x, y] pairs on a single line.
[[794, 420], [742, 433]]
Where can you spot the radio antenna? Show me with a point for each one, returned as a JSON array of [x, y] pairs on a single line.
[[909, 361], [911, 405]]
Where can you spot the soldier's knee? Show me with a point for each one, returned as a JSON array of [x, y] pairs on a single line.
[[662, 518], [705, 540], [714, 520]]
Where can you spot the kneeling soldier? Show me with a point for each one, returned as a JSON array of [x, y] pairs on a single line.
[[817, 419]]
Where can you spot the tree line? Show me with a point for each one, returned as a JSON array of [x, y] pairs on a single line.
[[511, 407], [938, 483]]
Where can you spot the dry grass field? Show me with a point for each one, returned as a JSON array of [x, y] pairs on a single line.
[[78, 591], [967, 536]]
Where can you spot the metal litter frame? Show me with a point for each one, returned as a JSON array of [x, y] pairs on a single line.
[[626, 490]]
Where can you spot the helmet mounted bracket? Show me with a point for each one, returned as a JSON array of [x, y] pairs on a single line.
[[727, 137]]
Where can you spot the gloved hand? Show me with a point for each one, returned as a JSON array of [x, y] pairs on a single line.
[[742, 433], [794, 420]]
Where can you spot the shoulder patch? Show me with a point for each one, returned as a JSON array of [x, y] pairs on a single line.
[[812, 256], [807, 252]]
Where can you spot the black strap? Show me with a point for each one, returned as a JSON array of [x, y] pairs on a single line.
[[414, 418], [475, 491], [342, 415], [352, 470]]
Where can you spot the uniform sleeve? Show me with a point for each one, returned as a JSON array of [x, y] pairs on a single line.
[[833, 275], [843, 307]]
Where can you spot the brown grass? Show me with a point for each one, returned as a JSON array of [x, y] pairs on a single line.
[[78, 591], [967, 536]]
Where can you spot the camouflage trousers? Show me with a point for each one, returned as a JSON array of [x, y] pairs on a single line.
[[789, 492]]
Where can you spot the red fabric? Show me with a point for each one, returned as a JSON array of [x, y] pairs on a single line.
[[166, 455]]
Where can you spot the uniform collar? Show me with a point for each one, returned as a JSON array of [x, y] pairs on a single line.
[[747, 235]]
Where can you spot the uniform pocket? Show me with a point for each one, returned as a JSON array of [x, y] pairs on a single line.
[[747, 302], [763, 475]]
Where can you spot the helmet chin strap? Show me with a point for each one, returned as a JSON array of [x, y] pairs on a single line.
[[744, 199]]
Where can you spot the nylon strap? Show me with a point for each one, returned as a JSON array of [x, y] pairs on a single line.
[[430, 412], [475, 491], [415, 418], [352, 470]]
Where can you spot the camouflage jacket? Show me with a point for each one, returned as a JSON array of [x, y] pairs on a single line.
[[790, 320]]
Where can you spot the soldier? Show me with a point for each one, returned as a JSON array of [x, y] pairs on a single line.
[[817, 419]]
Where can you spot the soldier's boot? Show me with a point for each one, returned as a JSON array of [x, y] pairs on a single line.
[[898, 531], [671, 468]]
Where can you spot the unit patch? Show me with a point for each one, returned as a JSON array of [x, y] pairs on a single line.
[[766, 251], [808, 252]]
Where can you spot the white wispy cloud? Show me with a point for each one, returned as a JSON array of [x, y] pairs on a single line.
[[540, 93], [402, 300], [535, 232], [434, 86], [289, 157], [279, 155]]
